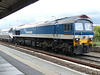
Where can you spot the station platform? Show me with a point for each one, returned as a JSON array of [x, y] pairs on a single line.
[[7, 69], [13, 62]]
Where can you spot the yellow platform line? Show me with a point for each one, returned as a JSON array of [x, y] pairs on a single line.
[[31, 64]]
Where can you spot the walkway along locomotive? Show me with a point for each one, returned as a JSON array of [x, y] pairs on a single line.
[[68, 35]]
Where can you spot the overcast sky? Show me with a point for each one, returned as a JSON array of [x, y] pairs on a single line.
[[43, 10]]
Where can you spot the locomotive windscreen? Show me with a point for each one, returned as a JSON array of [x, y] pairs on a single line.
[[83, 25]]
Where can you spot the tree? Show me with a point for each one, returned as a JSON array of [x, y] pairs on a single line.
[[97, 32]]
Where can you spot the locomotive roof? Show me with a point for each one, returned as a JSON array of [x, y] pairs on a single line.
[[72, 19], [58, 21]]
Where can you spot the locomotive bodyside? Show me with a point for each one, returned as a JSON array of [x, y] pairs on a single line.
[[70, 35]]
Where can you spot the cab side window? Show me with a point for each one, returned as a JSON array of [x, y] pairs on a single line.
[[17, 32], [67, 27]]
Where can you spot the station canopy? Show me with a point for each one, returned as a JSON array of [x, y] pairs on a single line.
[[9, 6]]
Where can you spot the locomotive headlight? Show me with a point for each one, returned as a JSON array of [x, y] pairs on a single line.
[[77, 39], [90, 39]]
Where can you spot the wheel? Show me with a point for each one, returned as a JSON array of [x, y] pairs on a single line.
[[44, 47], [22, 42]]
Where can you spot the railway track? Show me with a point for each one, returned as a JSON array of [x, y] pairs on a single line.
[[61, 57], [96, 49], [89, 59]]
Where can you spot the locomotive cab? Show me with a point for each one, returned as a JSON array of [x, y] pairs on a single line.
[[77, 34], [83, 36]]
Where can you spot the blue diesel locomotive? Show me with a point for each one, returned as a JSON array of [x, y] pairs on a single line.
[[69, 35]]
